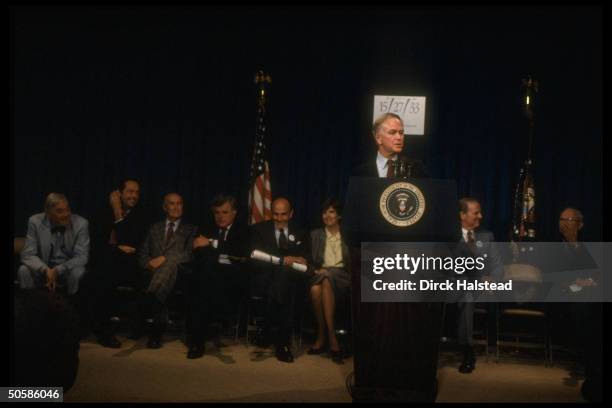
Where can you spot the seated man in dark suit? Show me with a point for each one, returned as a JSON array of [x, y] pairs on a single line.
[[167, 246], [586, 317], [218, 282], [117, 231], [56, 249], [388, 133], [279, 283], [473, 242]]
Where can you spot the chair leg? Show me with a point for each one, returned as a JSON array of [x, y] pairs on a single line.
[[487, 342], [248, 326], [497, 318]]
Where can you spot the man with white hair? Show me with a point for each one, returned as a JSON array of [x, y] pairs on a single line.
[[56, 248], [388, 134]]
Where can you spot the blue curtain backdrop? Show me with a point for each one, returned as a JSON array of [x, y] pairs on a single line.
[[166, 95]]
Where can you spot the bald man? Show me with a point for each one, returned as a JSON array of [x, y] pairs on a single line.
[[280, 284], [167, 246], [586, 317]]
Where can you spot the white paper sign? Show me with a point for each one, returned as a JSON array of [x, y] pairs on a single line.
[[410, 108]]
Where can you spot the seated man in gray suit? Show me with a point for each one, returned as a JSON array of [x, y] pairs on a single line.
[[474, 241], [167, 246], [56, 248]]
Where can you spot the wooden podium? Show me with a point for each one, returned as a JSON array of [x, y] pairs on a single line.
[[396, 344]]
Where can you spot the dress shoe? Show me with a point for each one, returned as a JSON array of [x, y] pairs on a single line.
[[155, 341], [108, 340], [469, 361], [195, 351], [284, 354], [467, 367], [336, 356]]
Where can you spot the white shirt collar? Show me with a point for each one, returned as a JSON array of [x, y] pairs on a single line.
[[381, 164], [176, 223], [465, 234]]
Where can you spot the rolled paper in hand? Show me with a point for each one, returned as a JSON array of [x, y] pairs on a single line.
[[264, 257], [299, 267]]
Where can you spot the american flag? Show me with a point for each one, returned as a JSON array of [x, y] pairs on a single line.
[[260, 193]]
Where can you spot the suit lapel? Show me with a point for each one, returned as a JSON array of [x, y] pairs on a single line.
[[45, 239], [69, 238], [272, 235], [160, 234], [319, 243]]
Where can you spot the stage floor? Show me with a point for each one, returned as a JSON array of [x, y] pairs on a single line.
[[234, 372]]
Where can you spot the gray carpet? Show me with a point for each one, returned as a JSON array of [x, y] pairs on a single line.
[[236, 373]]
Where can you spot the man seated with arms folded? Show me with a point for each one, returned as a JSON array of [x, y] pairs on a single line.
[[167, 246], [219, 283], [56, 250], [280, 284]]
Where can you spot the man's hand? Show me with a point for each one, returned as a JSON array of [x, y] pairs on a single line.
[[156, 263], [115, 202], [127, 249], [320, 271], [200, 241], [585, 282], [51, 278], [289, 260]]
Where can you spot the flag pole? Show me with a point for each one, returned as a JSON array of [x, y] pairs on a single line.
[[524, 197], [260, 193]]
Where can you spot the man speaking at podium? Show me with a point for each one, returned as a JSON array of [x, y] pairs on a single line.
[[396, 342], [388, 133]]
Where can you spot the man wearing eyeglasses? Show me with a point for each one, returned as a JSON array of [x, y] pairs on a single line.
[[587, 317]]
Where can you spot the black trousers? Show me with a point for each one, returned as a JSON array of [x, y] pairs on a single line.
[[215, 293], [115, 269], [281, 315]]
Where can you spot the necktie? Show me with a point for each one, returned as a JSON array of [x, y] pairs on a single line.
[[170, 232], [390, 168], [282, 240], [470, 241], [58, 239], [222, 234]]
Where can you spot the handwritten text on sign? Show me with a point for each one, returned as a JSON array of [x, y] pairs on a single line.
[[410, 108]]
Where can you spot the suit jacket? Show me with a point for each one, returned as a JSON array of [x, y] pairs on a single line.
[[130, 231], [177, 251], [484, 245], [318, 240], [37, 249], [236, 243], [369, 169], [272, 280]]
